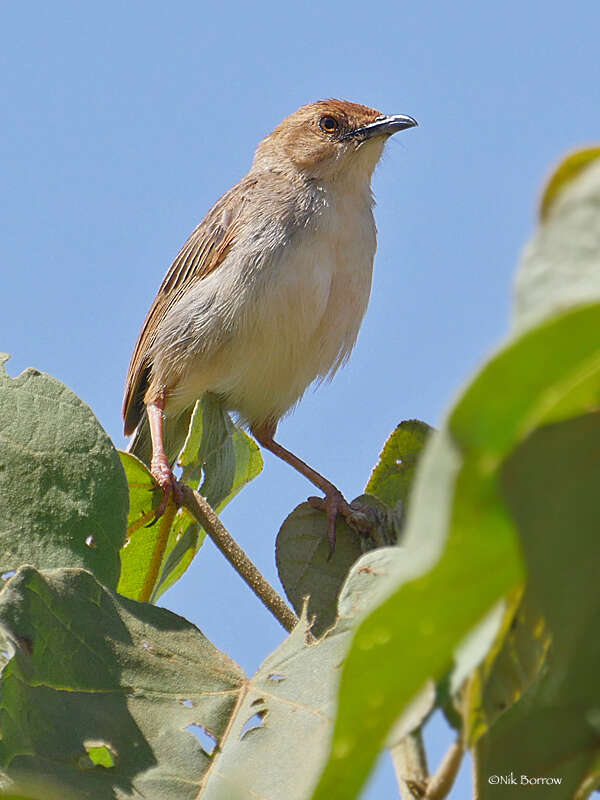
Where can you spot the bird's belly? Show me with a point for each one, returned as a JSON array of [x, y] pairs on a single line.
[[299, 323]]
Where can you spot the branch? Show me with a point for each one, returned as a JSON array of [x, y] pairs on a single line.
[[440, 784], [410, 763], [201, 510]]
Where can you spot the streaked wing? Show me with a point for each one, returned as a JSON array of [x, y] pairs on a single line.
[[202, 254]]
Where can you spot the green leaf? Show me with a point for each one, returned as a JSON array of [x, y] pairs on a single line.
[[551, 484], [136, 553], [457, 535], [392, 477], [302, 549], [100, 691], [550, 374], [64, 494], [220, 451], [185, 539], [217, 454], [553, 372], [288, 708], [305, 567], [143, 537]]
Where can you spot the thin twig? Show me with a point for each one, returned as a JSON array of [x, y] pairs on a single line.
[[159, 551], [441, 782], [201, 510], [410, 763]]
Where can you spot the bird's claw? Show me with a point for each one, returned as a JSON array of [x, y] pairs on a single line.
[[169, 485], [333, 504]]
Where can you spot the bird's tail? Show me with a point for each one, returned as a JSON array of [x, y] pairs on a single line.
[[175, 430]]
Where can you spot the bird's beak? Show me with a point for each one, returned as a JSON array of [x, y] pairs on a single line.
[[383, 126]]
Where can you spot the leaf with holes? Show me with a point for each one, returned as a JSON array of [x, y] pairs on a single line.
[[64, 494], [287, 708], [99, 692]]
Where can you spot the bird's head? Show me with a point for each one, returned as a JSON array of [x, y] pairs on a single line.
[[330, 139]]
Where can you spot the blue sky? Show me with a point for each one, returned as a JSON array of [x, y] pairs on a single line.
[[122, 123]]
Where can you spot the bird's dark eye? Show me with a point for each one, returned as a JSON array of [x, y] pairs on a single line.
[[329, 124]]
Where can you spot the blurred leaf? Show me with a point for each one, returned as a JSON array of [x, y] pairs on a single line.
[[560, 267], [551, 484], [510, 667], [566, 172], [220, 451], [413, 635], [553, 372], [458, 508], [64, 495], [391, 479], [97, 698]]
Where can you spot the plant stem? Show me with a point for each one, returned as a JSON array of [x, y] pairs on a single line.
[[441, 782], [201, 510], [159, 550], [410, 763]]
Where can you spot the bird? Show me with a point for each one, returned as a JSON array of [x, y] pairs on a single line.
[[268, 293]]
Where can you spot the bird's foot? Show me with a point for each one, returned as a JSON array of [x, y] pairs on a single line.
[[163, 475], [333, 504]]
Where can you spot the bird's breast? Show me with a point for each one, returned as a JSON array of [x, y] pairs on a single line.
[[295, 305]]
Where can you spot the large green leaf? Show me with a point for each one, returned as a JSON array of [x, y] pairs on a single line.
[[551, 484], [278, 737], [553, 372], [99, 691], [413, 635], [459, 513], [64, 494]]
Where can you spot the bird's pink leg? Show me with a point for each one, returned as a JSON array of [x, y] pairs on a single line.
[[333, 503], [159, 466]]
